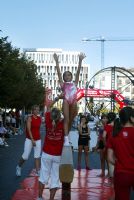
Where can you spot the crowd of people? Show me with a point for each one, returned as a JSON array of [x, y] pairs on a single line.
[[10, 123], [114, 144]]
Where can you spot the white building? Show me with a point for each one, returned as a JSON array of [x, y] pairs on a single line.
[[43, 58]]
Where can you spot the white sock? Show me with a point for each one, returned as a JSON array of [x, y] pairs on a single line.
[[66, 141]]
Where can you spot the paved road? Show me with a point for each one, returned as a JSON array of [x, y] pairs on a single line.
[[9, 157]]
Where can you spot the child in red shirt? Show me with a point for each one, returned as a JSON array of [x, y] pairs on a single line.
[[121, 153]]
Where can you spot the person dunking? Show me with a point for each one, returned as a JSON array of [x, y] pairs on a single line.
[[69, 89], [83, 141], [32, 140]]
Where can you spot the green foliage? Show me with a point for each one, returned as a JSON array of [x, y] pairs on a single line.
[[19, 83]]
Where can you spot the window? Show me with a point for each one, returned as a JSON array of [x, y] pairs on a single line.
[[62, 58], [67, 58], [47, 68], [41, 57], [73, 58]]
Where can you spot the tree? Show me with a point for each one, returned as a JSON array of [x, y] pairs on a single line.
[[19, 82]]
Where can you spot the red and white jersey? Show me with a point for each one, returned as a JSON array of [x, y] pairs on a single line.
[[54, 136], [123, 147]]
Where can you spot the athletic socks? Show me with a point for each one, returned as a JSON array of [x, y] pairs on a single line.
[[66, 141]]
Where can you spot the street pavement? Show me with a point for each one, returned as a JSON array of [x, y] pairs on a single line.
[[9, 157]]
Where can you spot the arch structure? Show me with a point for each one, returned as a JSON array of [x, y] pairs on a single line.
[[97, 93], [114, 71]]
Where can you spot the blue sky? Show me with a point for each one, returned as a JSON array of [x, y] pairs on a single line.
[[63, 24]]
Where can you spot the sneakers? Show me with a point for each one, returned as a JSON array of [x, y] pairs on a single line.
[[6, 145], [18, 171], [39, 198], [66, 141]]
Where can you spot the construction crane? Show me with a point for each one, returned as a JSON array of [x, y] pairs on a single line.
[[103, 40]]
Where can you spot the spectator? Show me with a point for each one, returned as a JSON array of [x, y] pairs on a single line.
[[13, 124], [33, 124], [83, 141], [8, 121], [121, 153], [100, 147], [3, 135], [107, 134]]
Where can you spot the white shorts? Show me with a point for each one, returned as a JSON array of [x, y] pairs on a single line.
[[50, 170], [28, 147]]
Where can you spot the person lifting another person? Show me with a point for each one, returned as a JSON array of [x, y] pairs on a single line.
[[52, 150]]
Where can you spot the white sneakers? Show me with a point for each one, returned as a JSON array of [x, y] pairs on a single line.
[[6, 145], [18, 171], [66, 141]]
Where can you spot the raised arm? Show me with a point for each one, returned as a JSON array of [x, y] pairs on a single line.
[[56, 58], [81, 57], [60, 96]]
